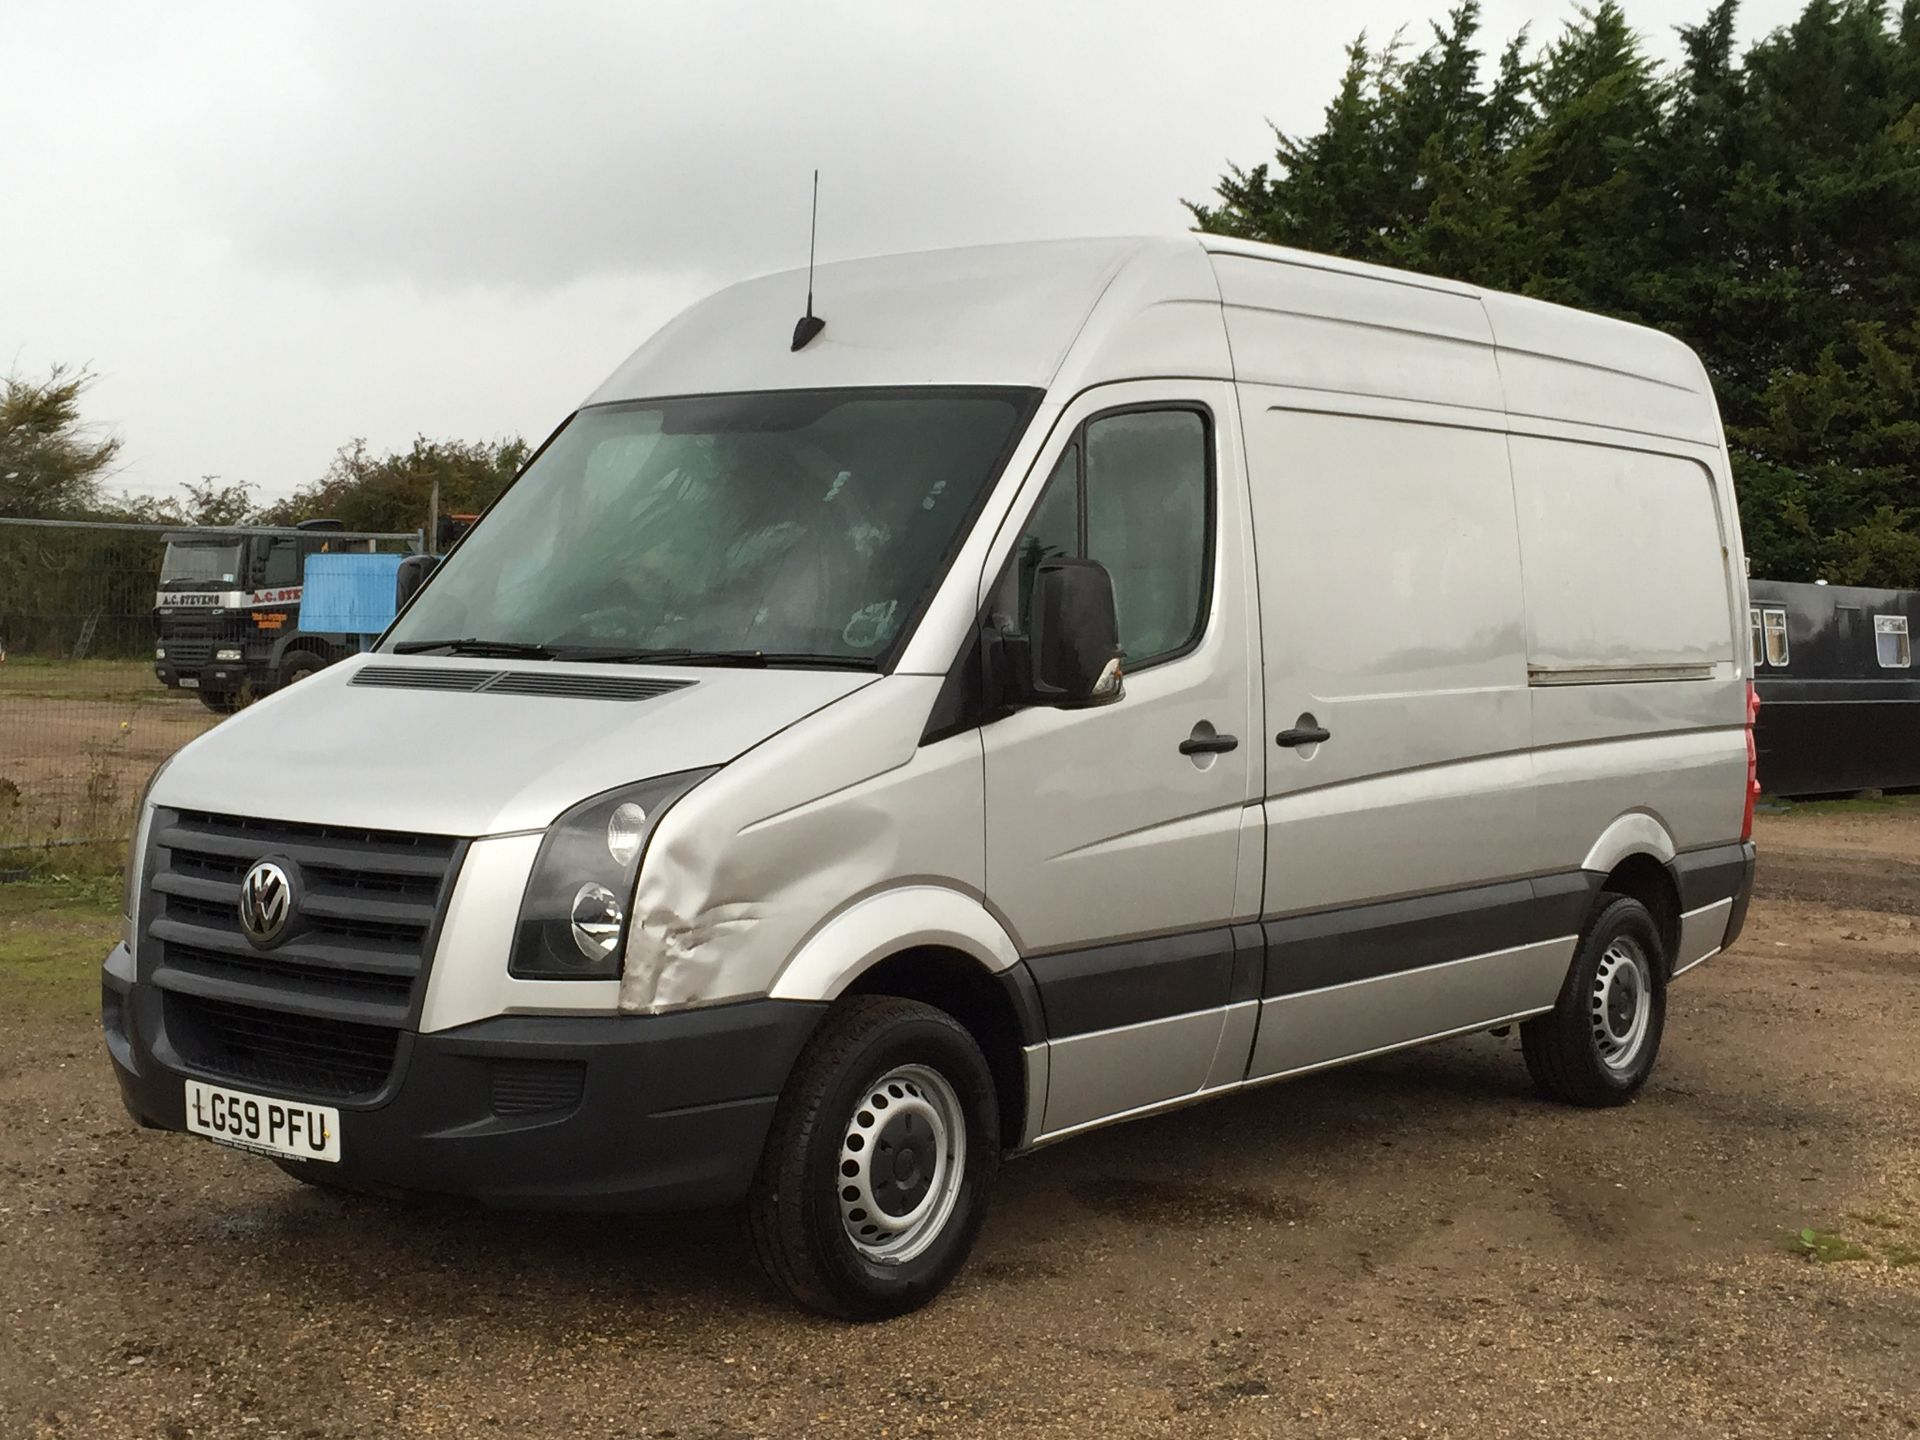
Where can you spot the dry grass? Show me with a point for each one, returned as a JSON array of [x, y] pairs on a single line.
[[78, 740]]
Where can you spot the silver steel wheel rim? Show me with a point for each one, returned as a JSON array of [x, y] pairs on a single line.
[[1622, 1008], [895, 1197]]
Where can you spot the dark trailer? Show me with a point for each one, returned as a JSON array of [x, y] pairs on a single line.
[[1839, 697]]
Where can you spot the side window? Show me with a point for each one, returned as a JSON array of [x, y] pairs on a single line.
[[1759, 645], [1134, 491], [1053, 528], [1891, 645], [282, 566], [1147, 509], [1775, 622]]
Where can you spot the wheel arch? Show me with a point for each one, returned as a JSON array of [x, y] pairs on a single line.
[[1643, 877], [878, 926], [1634, 857], [942, 947], [1000, 1016], [300, 640], [1635, 833]]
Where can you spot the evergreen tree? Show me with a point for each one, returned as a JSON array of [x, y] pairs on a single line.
[[1764, 208]]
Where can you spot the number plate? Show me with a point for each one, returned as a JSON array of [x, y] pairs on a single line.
[[287, 1128], [189, 682]]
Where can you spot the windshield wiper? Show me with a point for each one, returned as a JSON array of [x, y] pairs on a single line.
[[502, 649], [681, 655]]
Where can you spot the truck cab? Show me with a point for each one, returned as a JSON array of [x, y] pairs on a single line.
[[227, 616]]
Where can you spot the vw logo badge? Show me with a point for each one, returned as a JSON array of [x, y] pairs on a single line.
[[266, 900]]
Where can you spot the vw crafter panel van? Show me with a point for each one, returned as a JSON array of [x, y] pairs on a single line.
[[1080, 679]]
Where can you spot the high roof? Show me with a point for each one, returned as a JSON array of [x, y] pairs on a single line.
[[983, 315], [1065, 314]]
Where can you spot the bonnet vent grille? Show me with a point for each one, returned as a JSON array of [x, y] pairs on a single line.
[[518, 682], [584, 687], [421, 677]]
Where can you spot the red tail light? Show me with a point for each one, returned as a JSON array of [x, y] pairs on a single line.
[[1753, 763]]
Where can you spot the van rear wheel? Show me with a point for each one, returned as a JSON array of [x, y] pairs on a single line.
[[877, 1171], [1597, 1045]]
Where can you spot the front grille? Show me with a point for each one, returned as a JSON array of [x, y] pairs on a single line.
[[191, 640], [321, 1010], [333, 1059], [188, 647]]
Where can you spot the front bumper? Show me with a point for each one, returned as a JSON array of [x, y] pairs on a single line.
[[615, 1112], [218, 676]]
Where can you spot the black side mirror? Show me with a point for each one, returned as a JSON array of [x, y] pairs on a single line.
[[411, 575], [1073, 651]]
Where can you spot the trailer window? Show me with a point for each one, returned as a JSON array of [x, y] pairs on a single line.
[[1753, 634], [1776, 628], [1890, 643]]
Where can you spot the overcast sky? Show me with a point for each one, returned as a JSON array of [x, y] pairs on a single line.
[[272, 227]]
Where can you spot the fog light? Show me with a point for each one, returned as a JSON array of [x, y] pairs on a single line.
[[228, 654], [596, 921]]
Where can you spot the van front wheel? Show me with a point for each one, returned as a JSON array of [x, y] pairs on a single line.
[[1597, 1045], [875, 1177]]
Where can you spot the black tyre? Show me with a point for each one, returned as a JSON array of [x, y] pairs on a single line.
[[1598, 1044], [876, 1174], [298, 665], [221, 702]]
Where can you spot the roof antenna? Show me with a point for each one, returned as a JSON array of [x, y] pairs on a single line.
[[810, 324]]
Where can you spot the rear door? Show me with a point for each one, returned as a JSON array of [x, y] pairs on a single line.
[[1122, 842]]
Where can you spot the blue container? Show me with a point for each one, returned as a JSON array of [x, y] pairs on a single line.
[[349, 594]]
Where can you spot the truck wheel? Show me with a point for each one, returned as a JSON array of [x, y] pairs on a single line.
[[876, 1173], [221, 702], [298, 665], [1597, 1045]]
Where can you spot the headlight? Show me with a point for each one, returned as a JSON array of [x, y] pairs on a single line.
[[226, 654], [573, 921], [159, 653]]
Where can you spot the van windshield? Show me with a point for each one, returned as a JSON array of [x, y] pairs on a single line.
[[802, 523], [200, 562]]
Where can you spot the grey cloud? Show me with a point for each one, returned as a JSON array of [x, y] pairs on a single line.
[[537, 151]]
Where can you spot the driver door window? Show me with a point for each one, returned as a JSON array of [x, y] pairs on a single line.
[[282, 565], [1132, 490]]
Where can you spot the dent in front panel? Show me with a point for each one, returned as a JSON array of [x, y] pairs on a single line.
[[755, 859]]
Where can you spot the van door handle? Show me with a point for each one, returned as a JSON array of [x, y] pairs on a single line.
[[1209, 744], [1303, 735]]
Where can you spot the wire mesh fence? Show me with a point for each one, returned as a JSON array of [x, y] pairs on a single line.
[[85, 715], [83, 720]]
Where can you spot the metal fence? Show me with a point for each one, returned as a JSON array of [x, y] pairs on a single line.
[[83, 720]]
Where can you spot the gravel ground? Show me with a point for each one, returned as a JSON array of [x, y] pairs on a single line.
[[1414, 1246]]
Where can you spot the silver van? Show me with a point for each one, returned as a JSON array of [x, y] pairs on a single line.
[[1076, 680]]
